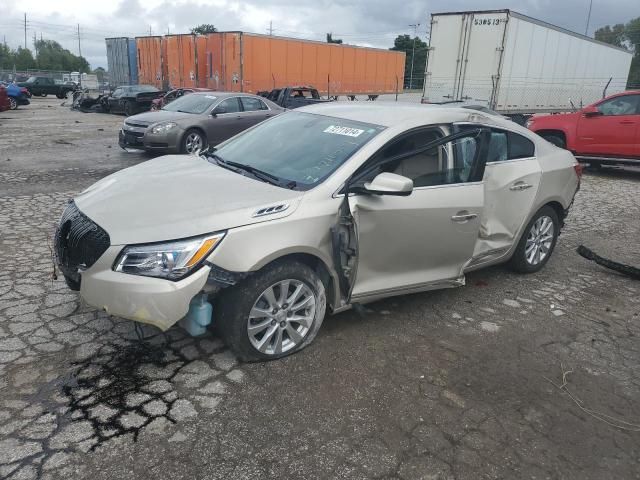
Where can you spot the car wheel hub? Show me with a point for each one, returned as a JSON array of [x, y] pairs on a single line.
[[193, 143], [282, 317], [539, 240]]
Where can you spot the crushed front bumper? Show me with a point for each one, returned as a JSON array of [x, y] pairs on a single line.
[[148, 300]]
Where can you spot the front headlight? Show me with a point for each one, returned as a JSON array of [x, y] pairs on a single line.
[[163, 127], [170, 260]]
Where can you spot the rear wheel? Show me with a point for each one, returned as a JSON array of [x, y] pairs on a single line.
[[273, 313], [13, 103], [43, 94], [556, 140], [537, 242], [60, 95], [193, 141]]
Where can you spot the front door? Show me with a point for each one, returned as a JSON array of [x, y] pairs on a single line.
[[613, 130], [511, 179], [423, 240], [227, 121]]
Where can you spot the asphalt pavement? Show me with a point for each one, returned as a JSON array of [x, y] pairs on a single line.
[[512, 376]]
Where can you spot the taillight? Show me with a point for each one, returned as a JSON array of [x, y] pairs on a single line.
[[578, 168]]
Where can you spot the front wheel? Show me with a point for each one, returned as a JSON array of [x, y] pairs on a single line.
[[13, 103], [43, 94], [193, 141], [128, 108], [537, 242], [273, 313]]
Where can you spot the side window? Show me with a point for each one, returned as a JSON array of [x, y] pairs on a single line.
[[508, 146], [448, 163], [520, 147], [250, 104], [624, 105], [117, 92], [230, 105]]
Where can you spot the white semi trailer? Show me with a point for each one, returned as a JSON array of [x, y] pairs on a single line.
[[517, 65]]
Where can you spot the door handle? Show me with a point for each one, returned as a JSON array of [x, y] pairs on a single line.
[[463, 217], [627, 122], [516, 187]]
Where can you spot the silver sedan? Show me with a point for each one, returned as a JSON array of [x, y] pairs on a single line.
[[195, 121]]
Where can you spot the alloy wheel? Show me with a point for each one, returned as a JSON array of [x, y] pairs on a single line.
[[193, 143], [282, 317], [13, 103], [539, 240]]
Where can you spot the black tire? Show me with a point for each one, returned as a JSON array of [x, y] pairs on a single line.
[[13, 103], [235, 304], [188, 138], [556, 140], [519, 261], [60, 95], [43, 94], [128, 108], [596, 166]]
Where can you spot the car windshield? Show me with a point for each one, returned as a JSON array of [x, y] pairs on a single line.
[[191, 104], [31, 79], [300, 149]]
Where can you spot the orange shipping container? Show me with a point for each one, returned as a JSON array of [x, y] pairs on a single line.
[[151, 65], [184, 54], [248, 62]]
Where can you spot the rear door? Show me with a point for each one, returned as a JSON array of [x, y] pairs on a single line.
[[612, 132], [511, 179], [423, 240], [444, 57], [254, 111]]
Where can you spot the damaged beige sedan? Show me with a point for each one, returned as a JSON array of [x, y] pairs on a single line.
[[312, 212]]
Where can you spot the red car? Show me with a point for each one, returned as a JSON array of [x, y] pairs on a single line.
[[5, 104], [606, 132], [171, 95]]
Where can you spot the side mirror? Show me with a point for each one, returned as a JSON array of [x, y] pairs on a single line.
[[591, 111], [389, 184], [218, 110]]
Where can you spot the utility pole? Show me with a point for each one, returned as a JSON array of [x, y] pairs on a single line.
[[35, 44], [25, 30], [270, 27], [150, 32], [80, 54], [588, 17], [413, 52]]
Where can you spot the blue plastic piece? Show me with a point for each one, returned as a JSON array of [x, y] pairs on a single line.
[[199, 316]]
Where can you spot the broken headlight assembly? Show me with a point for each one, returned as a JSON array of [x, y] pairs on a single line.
[[163, 127], [170, 260]]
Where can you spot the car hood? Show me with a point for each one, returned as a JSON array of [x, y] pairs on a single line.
[[161, 116], [179, 196]]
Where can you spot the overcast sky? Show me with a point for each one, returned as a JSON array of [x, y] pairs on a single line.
[[363, 22]]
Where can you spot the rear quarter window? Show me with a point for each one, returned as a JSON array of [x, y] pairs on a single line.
[[519, 146]]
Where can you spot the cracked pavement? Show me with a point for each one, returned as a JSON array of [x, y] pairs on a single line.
[[440, 385]]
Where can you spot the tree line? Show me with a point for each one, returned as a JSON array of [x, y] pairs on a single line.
[[49, 55], [627, 36]]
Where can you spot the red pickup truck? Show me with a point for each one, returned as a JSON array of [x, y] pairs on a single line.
[[606, 132]]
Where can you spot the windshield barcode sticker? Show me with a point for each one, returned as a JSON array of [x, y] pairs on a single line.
[[349, 132]]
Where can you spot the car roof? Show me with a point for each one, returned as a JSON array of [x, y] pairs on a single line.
[[390, 114]]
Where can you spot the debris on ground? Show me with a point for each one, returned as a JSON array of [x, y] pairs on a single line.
[[628, 270]]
